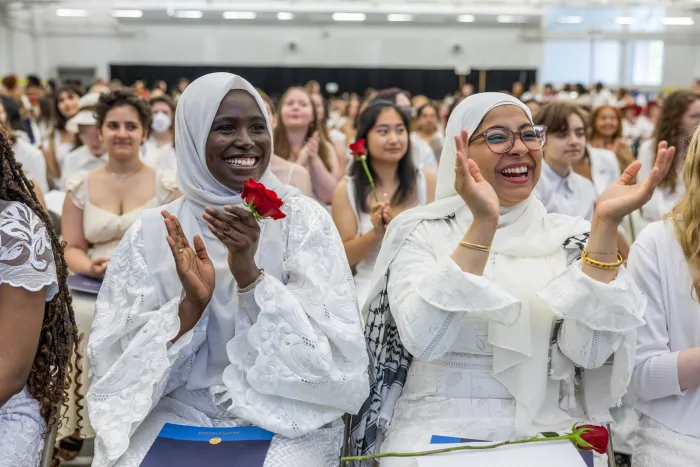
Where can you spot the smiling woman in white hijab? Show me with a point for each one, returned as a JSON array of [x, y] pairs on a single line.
[[228, 322], [484, 322]]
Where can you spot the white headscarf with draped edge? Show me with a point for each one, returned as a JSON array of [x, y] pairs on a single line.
[[525, 230], [196, 110]]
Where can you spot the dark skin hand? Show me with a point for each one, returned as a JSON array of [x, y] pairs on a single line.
[[239, 231], [195, 270]]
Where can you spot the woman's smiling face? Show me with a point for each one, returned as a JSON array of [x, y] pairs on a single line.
[[239, 143]]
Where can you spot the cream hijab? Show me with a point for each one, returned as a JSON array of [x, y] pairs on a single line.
[[197, 108], [520, 341]]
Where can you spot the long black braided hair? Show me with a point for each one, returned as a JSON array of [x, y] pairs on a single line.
[[49, 379]]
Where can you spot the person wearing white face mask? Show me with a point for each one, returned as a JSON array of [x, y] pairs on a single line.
[[159, 150]]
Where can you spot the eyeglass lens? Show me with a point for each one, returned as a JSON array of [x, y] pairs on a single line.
[[501, 140]]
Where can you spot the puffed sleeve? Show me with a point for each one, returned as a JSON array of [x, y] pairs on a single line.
[[132, 361], [303, 361], [77, 189], [166, 187], [26, 256], [430, 297], [597, 317]]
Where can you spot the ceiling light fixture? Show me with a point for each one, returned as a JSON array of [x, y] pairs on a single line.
[[678, 21], [399, 17], [466, 18], [349, 16], [570, 20], [239, 15], [285, 16], [625, 20], [188, 14], [65, 12], [510, 19], [127, 13]]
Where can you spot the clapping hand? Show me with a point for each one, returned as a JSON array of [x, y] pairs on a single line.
[[310, 150], [477, 193], [378, 213], [194, 268], [622, 197], [239, 231]]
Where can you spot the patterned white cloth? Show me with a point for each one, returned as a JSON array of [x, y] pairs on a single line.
[[297, 361], [656, 445], [26, 261], [286, 355]]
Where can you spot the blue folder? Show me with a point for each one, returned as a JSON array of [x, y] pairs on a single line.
[[84, 284], [586, 455], [187, 446]]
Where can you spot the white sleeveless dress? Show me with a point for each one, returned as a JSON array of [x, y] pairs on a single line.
[[363, 274]]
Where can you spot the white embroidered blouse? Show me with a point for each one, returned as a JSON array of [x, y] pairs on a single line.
[[297, 362], [26, 261]]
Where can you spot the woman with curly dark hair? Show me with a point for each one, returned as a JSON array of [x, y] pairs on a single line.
[[37, 328], [680, 115], [100, 207]]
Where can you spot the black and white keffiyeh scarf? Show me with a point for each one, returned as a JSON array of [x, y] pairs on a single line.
[[389, 362]]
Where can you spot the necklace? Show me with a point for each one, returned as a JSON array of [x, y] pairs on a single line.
[[121, 178]]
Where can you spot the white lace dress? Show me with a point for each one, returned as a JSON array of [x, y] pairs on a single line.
[[296, 364], [26, 261]]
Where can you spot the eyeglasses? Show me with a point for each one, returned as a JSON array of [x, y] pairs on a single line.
[[501, 140]]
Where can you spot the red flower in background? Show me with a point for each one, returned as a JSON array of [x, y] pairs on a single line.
[[263, 203], [358, 148]]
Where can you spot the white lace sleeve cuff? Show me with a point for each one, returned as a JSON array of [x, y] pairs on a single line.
[[448, 288], [616, 307], [26, 257]]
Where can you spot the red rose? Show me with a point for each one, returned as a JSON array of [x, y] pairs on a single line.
[[262, 202], [358, 148], [592, 438]]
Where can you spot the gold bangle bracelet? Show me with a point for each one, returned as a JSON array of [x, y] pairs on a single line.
[[474, 246], [599, 264]]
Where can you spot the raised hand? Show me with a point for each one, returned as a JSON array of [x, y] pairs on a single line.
[[239, 231], [310, 150], [622, 197], [477, 193], [194, 268]]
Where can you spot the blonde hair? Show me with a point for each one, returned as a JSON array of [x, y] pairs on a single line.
[[283, 147], [686, 214]]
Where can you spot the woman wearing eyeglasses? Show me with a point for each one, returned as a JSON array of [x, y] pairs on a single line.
[[507, 316]]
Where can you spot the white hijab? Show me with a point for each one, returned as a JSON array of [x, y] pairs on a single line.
[[197, 108], [525, 230]]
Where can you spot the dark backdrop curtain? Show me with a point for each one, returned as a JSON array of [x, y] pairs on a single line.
[[435, 84]]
